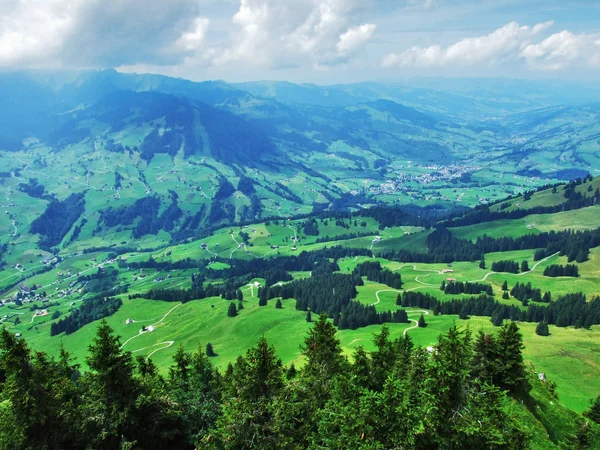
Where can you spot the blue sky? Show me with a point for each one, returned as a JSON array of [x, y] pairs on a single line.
[[323, 41]]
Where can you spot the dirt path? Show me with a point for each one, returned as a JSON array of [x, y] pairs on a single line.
[[235, 249], [416, 325], [383, 290], [484, 278], [152, 325], [414, 267], [538, 263]]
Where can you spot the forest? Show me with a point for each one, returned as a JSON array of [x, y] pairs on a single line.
[[467, 392]]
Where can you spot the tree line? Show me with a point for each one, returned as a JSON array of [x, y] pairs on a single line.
[[460, 395], [557, 270], [443, 247], [92, 309]]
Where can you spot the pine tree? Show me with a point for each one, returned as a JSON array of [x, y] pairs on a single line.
[[247, 418], [209, 350], [421, 322], [278, 304], [524, 266], [505, 295], [232, 311], [497, 318], [240, 306], [482, 262], [594, 412], [511, 374], [542, 329], [505, 286], [239, 295], [308, 316]]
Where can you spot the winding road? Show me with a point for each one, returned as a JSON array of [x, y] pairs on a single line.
[[146, 331], [416, 325], [538, 263]]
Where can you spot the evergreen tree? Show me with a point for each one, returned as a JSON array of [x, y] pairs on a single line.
[[291, 372], [239, 295], [505, 286], [541, 329], [511, 373], [505, 295], [421, 322], [232, 311], [485, 357], [240, 306], [524, 266], [209, 350], [278, 304], [497, 318], [247, 419], [594, 412], [308, 316], [482, 262]]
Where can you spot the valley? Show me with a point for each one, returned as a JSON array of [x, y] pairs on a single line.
[[190, 216]]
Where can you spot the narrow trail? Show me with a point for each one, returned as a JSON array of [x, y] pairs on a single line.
[[294, 230], [421, 282], [235, 249], [168, 344], [484, 278], [416, 322], [154, 324], [211, 252], [538, 263], [414, 267], [383, 290]]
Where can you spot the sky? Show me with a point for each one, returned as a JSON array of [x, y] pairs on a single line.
[[321, 41]]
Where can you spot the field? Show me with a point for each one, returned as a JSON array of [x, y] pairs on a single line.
[[568, 357]]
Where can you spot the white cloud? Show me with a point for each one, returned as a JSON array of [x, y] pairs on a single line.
[[355, 38], [510, 43], [98, 33], [559, 50], [427, 4], [278, 33], [192, 40]]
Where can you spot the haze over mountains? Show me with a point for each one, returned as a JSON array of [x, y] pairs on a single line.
[[259, 149]]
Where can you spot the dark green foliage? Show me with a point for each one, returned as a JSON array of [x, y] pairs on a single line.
[[92, 309], [524, 266], [278, 304], [374, 272], [458, 287], [209, 350], [398, 396], [421, 322], [505, 266], [556, 270], [34, 189], [311, 228], [232, 310], [54, 223], [541, 329], [482, 263], [144, 215], [594, 412], [308, 316], [505, 286]]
